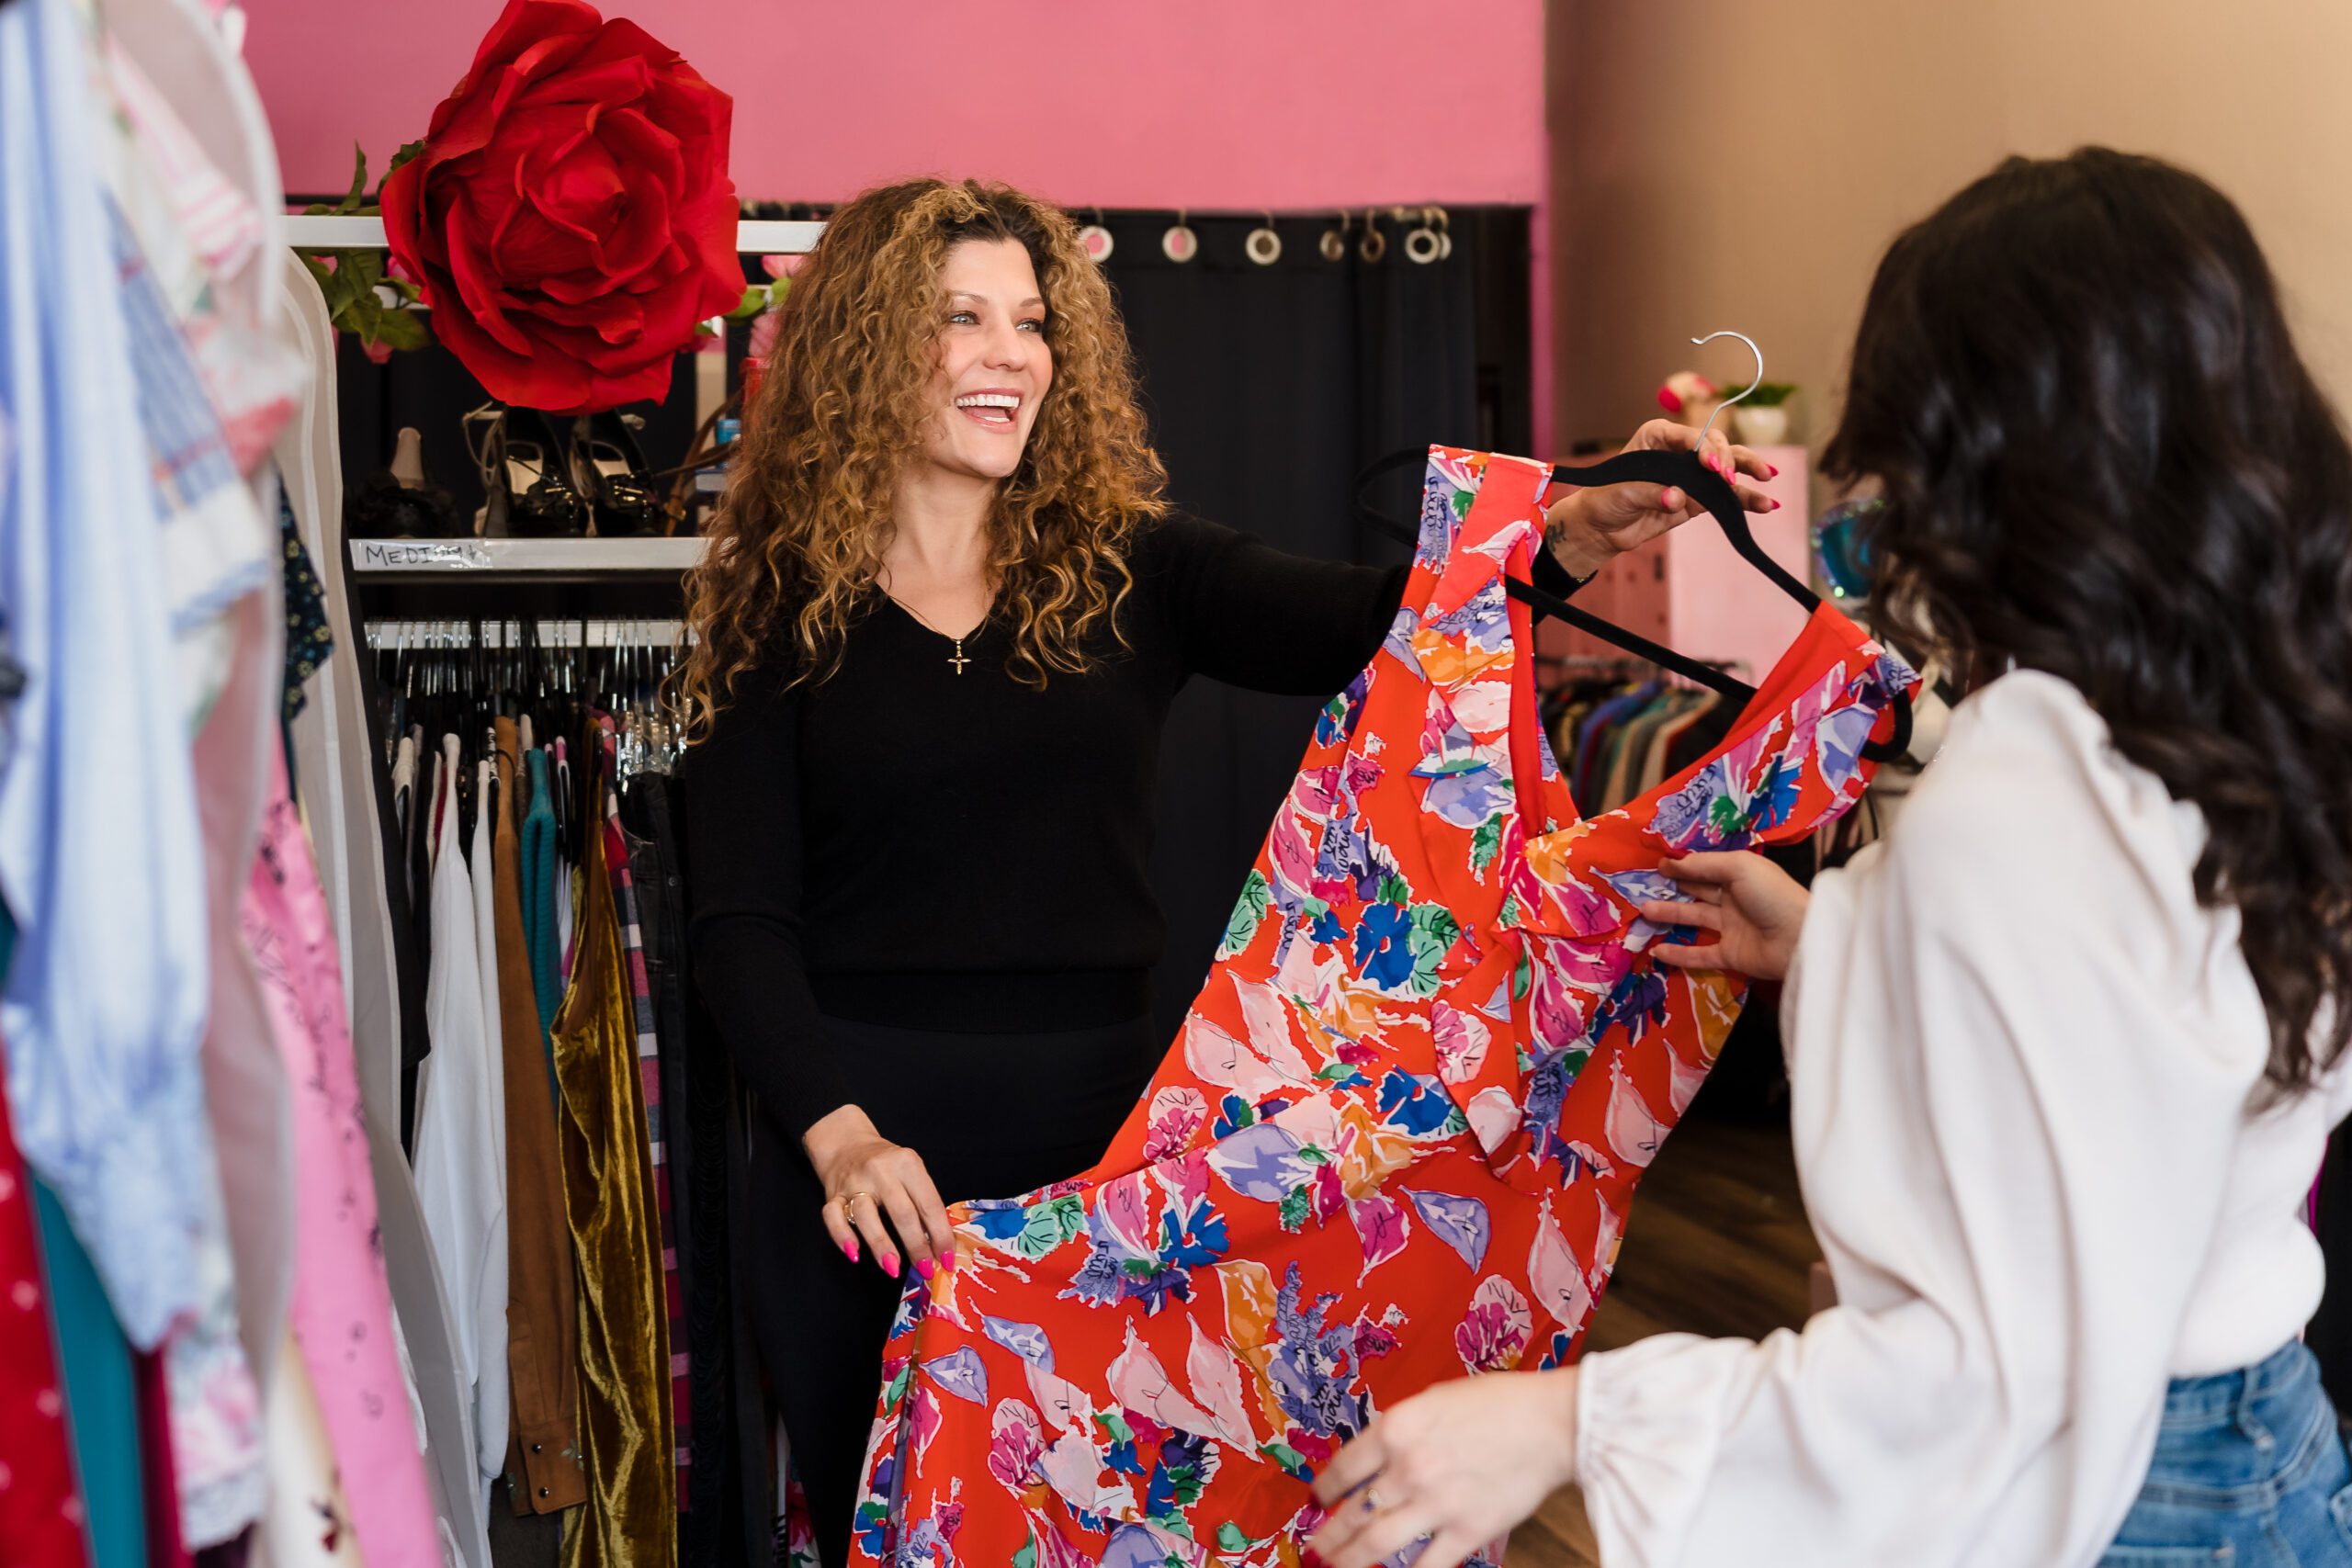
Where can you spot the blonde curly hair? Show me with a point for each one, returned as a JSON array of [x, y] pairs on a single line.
[[797, 545]]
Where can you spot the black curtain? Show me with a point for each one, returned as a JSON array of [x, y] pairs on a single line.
[[1269, 388]]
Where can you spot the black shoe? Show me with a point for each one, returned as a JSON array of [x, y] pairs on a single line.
[[608, 469], [401, 501], [540, 501]]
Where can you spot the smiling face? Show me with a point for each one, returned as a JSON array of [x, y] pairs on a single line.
[[994, 363]]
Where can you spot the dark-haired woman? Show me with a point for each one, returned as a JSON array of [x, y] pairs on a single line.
[[2066, 1047]]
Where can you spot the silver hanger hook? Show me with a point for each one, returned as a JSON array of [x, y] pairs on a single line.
[[1701, 444]]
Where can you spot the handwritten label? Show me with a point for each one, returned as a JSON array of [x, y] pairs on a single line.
[[421, 554]]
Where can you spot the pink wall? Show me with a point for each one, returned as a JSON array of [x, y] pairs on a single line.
[[1295, 104], [1232, 103]]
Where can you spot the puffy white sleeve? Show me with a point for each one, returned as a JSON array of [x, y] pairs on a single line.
[[2020, 1055]]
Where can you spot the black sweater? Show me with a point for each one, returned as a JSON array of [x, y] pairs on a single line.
[[907, 845]]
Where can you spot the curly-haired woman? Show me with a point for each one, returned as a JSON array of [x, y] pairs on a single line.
[[943, 613], [2067, 1047]]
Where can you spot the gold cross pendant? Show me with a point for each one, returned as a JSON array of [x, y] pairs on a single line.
[[957, 658]]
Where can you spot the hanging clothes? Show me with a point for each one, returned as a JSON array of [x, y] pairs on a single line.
[[543, 1464], [1398, 1136], [41, 1511], [627, 1439], [99, 834], [651, 1137], [460, 1144], [342, 1308], [541, 870]]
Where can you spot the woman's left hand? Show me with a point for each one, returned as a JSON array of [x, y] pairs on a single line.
[[1458, 1465], [1589, 528]]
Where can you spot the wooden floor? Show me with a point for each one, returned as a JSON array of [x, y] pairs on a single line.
[[1717, 1244]]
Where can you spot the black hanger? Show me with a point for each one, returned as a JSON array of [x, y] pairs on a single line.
[[1680, 470]]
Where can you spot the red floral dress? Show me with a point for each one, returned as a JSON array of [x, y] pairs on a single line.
[[1397, 1140]]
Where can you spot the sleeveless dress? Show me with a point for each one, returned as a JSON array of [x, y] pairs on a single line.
[[1396, 1139]]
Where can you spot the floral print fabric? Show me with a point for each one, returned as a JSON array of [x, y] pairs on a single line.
[[1397, 1137]]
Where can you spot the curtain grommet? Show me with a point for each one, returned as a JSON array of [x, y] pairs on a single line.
[[1180, 244], [1263, 247], [1334, 244], [1375, 244], [1422, 247], [1096, 241]]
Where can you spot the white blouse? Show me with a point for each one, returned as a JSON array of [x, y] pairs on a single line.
[[2023, 1060]]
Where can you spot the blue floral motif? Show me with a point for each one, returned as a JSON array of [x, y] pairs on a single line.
[[1384, 946], [1415, 1102], [1775, 797]]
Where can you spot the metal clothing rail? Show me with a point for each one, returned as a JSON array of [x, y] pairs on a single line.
[[753, 236]]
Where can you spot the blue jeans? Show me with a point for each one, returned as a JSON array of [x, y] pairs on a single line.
[[2250, 1472]]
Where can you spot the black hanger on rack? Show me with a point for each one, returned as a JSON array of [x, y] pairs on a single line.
[[1681, 470]]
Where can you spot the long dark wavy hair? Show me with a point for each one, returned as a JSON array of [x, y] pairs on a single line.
[[2103, 458]]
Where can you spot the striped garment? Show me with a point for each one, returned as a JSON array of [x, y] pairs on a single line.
[[649, 1070]]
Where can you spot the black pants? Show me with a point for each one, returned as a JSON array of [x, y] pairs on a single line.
[[993, 1116]]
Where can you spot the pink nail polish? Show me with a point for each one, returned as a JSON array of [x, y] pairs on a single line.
[[890, 1263], [849, 1249], [1776, 504], [923, 1268], [1771, 470]]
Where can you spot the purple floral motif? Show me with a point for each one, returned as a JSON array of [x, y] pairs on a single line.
[[1469, 796], [1025, 1340], [1133, 1546], [1347, 860], [961, 1374], [1462, 1222], [1313, 1365], [1260, 1162]]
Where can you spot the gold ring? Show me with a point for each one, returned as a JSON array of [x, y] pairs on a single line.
[[1371, 1504], [848, 1200]]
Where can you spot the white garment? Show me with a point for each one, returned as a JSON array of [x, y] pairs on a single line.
[[460, 1168], [334, 763], [2021, 1056], [490, 1420]]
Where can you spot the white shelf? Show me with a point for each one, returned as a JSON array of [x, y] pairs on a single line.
[[753, 236], [523, 557]]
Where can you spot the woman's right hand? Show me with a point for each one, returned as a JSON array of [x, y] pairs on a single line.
[[853, 1160], [1756, 910]]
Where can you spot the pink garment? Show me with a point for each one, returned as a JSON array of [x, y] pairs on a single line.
[[342, 1308]]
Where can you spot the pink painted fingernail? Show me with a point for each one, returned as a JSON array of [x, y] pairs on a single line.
[[849, 1249], [1775, 506], [890, 1263], [924, 1270], [1771, 470]]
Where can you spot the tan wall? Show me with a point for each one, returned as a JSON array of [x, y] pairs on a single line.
[[1743, 162]]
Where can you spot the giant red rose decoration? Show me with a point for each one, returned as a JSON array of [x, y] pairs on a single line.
[[570, 217]]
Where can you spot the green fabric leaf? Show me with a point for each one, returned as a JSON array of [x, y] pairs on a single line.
[[1028, 1556], [358, 178], [1233, 1543], [1050, 1224], [1290, 1459], [1248, 913], [1311, 1155], [1295, 1204], [1725, 815], [1434, 932], [1115, 1426], [1394, 889], [898, 1389], [1486, 844], [754, 300]]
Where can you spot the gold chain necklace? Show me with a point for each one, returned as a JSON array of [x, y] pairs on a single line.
[[956, 658]]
